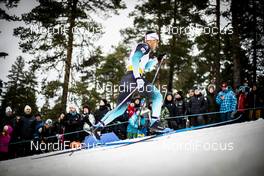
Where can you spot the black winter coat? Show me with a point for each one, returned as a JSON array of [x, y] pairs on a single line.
[[198, 104]]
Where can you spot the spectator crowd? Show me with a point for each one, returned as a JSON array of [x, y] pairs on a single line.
[[179, 111]]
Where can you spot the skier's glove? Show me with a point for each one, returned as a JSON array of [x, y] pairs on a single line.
[[160, 56], [140, 83]]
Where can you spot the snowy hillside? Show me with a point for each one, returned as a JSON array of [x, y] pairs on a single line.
[[227, 150]]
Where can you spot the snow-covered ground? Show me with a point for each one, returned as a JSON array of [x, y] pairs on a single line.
[[227, 150]]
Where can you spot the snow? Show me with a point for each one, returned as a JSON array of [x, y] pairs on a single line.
[[235, 149]]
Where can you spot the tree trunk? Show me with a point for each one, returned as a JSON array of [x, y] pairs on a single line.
[[159, 23], [254, 44], [218, 57], [236, 45], [172, 62], [171, 72], [160, 40], [67, 70]]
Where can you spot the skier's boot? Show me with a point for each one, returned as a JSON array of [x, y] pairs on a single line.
[[156, 126]]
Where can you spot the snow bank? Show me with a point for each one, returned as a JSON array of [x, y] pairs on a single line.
[[227, 150]]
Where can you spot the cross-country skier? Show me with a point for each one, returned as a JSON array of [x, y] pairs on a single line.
[[140, 62]]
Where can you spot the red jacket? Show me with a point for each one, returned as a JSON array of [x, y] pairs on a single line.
[[131, 110], [241, 102]]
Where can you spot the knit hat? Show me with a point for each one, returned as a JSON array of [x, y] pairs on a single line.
[[181, 93], [211, 86], [8, 109], [168, 94], [27, 109]]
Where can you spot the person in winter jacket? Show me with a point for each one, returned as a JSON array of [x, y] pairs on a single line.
[[5, 137], [26, 130], [180, 109], [87, 119], [189, 96], [187, 100], [138, 122], [242, 100], [131, 109], [133, 106], [254, 101], [227, 101], [170, 107], [121, 130], [27, 124], [59, 128], [145, 119], [73, 124], [47, 134], [212, 105], [16, 148], [37, 124], [197, 105], [8, 118]]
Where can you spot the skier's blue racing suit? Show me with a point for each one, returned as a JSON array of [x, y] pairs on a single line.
[[139, 62]]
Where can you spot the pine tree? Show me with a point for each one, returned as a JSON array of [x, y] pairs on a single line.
[[1, 86], [247, 19], [21, 88], [5, 16], [8, 4], [111, 72], [251, 34], [165, 16], [59, 37]]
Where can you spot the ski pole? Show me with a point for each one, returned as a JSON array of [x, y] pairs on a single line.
[[156, 74], [131, 93], [165, 95]]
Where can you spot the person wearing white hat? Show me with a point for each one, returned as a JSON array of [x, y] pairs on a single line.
[[9, 111], [140, 61], [27, 110], [7, 120], [26, 130], [72, 124]]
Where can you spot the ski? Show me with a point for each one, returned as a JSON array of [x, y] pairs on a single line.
[[149, 138], [144, 139], [59, 153]]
